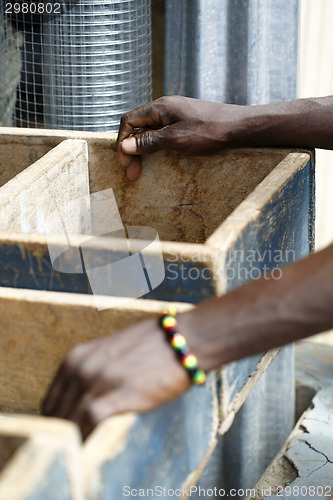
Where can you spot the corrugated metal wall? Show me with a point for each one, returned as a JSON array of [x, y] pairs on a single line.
[[231, 50], [315, 78]]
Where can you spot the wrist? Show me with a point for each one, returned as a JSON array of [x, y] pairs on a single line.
[[208, 343], [178, 342]]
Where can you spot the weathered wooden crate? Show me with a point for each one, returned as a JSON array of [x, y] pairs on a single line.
[[209, 213], [39, 458]]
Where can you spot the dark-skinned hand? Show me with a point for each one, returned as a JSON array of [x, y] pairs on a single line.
[[131, 370], [195, 127], [191, 126]]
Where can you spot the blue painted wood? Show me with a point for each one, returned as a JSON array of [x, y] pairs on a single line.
[[278, 237], [282, 234], [54, 485], [27, 266], [284, 227], [184, 282], [24, 267], [163, 447]]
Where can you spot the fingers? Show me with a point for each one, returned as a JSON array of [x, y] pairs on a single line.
[[149, 141], [116, 374], [131, 142], [134, 169], [146, 143], [146, 116], [124, 159], [91, 411], [66, 387]]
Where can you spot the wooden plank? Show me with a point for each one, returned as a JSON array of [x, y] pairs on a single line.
[[174, 194], [276, 233], [25, 263], [156, 451], [44, 463], [47, 185], [270, 229], [20, 147], [37, 329]]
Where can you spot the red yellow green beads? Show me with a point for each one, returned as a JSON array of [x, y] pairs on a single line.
[[199, 377], [178, 342], [170, 311], [168, 322]]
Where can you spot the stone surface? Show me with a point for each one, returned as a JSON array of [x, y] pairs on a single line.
[[304, 466]]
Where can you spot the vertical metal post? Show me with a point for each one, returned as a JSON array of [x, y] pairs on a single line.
[[241, 52]]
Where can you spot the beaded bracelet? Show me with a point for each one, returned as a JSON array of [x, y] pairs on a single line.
[[189, 361]]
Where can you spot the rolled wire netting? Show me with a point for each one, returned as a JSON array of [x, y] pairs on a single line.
[[86, 67], [11, 65], [96, 64]]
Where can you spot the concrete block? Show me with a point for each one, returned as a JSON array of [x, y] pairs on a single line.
[[304, 466]]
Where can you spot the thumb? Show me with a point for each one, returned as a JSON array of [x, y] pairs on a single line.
[[147, 142]]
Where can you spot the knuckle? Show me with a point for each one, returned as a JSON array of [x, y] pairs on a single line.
[[147, 141], [74, 364], [82, 375], [124, 119], [171, 99], [162, 100], [163, 103], [169, 108], [85, 376], [91, 414], [145, 111], [72, 357]]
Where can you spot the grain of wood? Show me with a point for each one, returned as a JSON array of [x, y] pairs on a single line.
[[48, 184], [38, 329], [46, 450]]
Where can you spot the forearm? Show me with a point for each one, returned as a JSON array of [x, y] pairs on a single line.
[[263, 314], [304, 123], [196, 127]]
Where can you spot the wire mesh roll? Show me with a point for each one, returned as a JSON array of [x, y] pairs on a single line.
[[96, 64], [86, 67], [11, 64]]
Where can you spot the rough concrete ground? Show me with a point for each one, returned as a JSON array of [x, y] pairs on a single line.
[[303, 469]]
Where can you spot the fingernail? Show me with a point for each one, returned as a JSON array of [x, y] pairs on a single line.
[[129, 146]]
